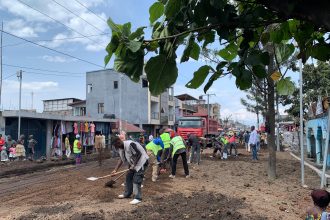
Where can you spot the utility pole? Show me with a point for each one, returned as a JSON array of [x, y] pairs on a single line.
[[208, 111], [277, 125], [19, 76], [32, 100], [1, 63]]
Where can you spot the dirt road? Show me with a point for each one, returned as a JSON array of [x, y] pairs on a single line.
[[232, 189]]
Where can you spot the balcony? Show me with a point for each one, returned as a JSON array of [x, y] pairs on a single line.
[[171, 117], [164, 120], [155, 115], [189, 108]]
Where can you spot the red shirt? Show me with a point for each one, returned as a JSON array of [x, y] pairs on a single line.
[[232, 139]]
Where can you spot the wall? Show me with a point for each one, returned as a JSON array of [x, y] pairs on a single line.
[[134, 100]]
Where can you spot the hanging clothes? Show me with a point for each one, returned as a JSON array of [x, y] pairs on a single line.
[[75, 128], [82, 127], [86, 127], [92, 126], [69, 127], [63, 129]]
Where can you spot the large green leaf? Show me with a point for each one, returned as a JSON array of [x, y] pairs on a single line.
[[156, 11], [114, 27], [126, 29], [209, 37], [213, 78], [285, 86], [111, 48], [243, 79], [321, 52], [161, 73], [256, 57], [259, 71], [134, 45], [137, 34], [229, 52], [131, 64], [191, 50], [199, 77], [283, 52], [172, 7]]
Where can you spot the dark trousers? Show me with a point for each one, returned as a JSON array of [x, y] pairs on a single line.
[[133, 182], [233, 145], [184, 161]]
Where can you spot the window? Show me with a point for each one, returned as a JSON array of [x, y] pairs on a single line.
[[115, 84], [144, 83], [100, 108], [89, 88]]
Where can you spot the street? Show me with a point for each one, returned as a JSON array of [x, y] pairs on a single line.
[[218, 189]]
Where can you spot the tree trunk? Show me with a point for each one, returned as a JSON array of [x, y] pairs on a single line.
[[271, 123]]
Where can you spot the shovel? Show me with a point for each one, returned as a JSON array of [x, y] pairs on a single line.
[[102, 177], [111, 182]]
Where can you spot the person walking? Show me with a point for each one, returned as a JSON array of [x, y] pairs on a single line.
[[154, 151], [133, 153], [178, 148], [253, 143], [232, 144], [246, 141], [77, 149], [31, 145], [195, 147]]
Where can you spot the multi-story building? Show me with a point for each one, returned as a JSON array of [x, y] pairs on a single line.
[[59, 106], [112, 94]]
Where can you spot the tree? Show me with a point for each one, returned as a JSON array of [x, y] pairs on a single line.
[[254, 31], [255, 103], [316, 82]]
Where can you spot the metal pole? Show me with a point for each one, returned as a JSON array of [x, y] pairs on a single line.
[[1, 63], [325, 155], [120, 111], [208, 113], [277, 125], [19, 75], [301, 125]]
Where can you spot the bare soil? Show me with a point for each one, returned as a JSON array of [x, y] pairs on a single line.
[[236, 188]]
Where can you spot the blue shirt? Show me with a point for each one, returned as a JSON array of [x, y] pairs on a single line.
[[158, 141]]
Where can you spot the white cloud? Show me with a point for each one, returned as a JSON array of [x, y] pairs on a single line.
[[32, 22], [22, 29], [57, 59], [30, 86]]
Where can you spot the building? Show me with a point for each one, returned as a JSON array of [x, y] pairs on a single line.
[[59, 106], [188, 105], [110, 94]]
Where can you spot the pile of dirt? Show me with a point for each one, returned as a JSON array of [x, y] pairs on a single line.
[[198, 205]]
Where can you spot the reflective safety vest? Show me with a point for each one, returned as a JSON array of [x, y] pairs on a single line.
[[151, 146], [166, 139], [177, 143], [224, 140], [76, 147]]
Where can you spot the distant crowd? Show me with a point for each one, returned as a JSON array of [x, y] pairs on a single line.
[[12, 150]]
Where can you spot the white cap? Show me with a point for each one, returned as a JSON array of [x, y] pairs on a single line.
[[77, 136]]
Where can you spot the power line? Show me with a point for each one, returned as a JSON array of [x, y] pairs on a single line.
[[32, 68], [91, 11], [58, 39], [50, 74], [9, 76], [78, 16], [27, 5], [65, 54]]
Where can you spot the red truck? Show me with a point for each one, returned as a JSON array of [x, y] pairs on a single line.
[[197, 124]]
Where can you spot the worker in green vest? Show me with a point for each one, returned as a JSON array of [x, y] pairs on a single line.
[[178, 148], [154, 151], [166, 138], [77, 149]]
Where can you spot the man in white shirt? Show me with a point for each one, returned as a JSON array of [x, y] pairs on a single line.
[[253, 143]]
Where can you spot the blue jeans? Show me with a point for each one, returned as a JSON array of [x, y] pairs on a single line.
[[197, 149], [254, 151]]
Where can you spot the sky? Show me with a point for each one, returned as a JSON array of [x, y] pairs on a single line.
[[78, 28]]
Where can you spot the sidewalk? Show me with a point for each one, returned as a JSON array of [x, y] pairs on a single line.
[[17, 168]]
